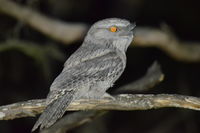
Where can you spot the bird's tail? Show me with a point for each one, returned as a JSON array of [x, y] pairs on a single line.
[[53, 111]]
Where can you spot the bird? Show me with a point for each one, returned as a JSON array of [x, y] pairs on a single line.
[[91, 70]]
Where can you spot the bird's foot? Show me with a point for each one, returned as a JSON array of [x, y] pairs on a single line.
[[108, 96]]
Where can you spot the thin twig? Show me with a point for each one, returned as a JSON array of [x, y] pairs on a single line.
[[70, 32]]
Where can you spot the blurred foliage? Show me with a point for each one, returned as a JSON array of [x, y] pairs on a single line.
[[41, 54]]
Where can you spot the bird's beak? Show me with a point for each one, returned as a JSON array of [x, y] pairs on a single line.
[[132, 26], [128, 30]]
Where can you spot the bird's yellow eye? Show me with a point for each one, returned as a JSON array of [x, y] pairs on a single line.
[[113, 29]]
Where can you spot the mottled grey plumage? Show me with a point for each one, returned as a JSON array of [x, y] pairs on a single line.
[[91, 70]]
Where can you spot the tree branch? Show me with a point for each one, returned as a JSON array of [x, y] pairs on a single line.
[[70, 32], [122, 102], [153, 76]]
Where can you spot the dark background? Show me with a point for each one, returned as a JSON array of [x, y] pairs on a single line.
[[23, 77]]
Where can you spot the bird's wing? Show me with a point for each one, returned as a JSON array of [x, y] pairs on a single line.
[[85, 53], [75, 79], [84, 64]]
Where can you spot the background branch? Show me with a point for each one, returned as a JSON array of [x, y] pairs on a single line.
[[73, 120], [165, 40], [62, 31], [152, 77], [70, 32]]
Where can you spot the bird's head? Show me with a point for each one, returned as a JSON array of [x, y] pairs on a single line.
[[115, 31]]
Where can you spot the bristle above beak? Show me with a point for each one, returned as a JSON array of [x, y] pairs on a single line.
[[132, 26]]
